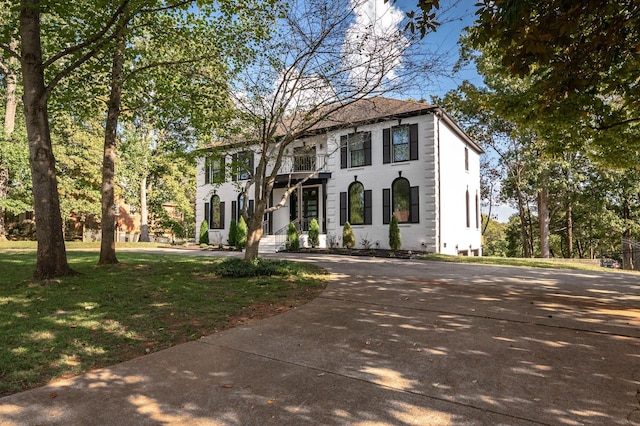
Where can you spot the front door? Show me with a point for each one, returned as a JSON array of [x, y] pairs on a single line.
[[309, 206], [307, 210]]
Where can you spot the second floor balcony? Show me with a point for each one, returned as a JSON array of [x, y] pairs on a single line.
[[303, 163], [303, 166]]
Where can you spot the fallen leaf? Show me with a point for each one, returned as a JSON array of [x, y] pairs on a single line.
[[227, 386], [53, 395], [271, 401]]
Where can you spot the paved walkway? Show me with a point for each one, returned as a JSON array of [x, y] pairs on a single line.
[[389, 342]]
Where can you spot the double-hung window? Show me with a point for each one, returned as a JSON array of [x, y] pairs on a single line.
[[355, 150], [243, 163], [214, 169], [400, 143]]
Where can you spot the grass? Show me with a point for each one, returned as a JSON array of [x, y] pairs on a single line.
[[107, 314], [557, 263]]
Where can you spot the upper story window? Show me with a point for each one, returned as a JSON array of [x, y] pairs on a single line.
[[304, 158], [400, 143], [355, 150], [243, 163], [466, 158], [214, 169]]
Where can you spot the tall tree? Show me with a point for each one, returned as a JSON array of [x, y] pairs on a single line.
[[40, 75], [582, 59], [177, 60]]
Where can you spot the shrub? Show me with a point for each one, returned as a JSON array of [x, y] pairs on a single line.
[[314, 233], [394, 234], [241, 268], [293, 241], [241, 234], [348, 239], [204, 232], [233, 233]]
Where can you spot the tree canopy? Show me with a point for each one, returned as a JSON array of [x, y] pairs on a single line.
[[582, 63]]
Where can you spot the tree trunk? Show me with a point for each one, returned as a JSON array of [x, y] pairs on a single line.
[[144, 212], [11, 103], [543, 221], [108, 244], [51, 258], [254, 234]]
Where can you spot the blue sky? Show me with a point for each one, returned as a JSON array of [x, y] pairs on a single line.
[[454, 16]]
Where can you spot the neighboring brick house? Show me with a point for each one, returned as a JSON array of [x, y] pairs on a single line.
[[374, 158]]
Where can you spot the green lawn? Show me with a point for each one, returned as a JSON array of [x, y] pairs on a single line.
[[107, 314], [558, 263]]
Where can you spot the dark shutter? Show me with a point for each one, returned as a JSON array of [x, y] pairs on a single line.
[[206, 212], [251, 207], [367, 148], [415, 205], [343, 151], [386, 206], [343, 208], [206, 170], [234, 211], [413, 142], [386, 146], [235, 167], [221, 214], [211, 207], [367, 207]]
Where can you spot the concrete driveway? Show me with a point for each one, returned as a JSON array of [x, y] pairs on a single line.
[[389, 342]]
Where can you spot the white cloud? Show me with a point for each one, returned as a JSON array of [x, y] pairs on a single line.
[[374, 43]]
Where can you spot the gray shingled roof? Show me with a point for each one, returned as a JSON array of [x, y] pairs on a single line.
[[370, 110]]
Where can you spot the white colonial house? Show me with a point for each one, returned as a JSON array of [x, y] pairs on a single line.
[[373, 159]]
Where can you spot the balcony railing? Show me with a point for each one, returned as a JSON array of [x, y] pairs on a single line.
[[303, 163]]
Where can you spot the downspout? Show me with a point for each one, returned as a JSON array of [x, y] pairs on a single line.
[[439, 233]]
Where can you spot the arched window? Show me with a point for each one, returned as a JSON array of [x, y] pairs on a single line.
[[356, 203], [467, 206], [216, 215], [477, 211], [401, 199]]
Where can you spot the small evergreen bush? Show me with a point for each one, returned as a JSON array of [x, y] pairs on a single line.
[[394, 234], [241, 235], [233, 233], [293, 241], [348, 239], [204, 233], [314, 233]]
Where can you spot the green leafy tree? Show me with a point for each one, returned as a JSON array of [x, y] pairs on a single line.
[[494, 242], [314, 233], [233, 233], [293, 240], [242, 234], [204, 233], [348, 238], [79, 39], [394, 234], [580, 63]]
